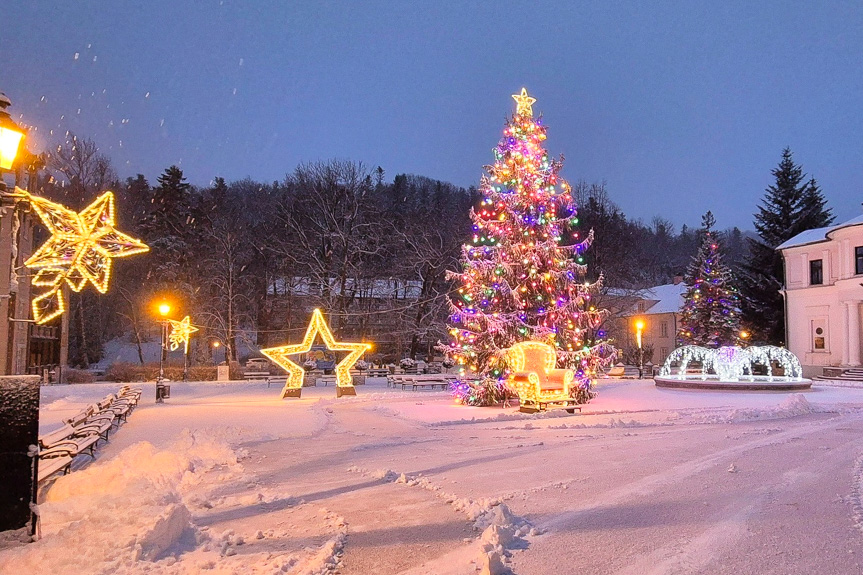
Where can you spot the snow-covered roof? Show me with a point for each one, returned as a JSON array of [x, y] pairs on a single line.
[[668, 298], [818, 234]]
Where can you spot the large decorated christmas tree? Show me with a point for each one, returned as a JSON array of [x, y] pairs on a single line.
[[523, 276], [711, 308]]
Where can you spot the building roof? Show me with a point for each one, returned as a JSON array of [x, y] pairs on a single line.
[[818, 234], [668, 297]]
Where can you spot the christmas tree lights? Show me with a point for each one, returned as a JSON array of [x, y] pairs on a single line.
[[523, 273], [181, 331], [80, 250], [711, 309], [317, 326]]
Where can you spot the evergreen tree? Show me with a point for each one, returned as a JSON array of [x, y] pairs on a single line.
[[168, 230], [711, 308], [523, 274], [790, 205]]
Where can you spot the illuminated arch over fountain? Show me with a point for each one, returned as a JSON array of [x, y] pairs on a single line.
[[732, 367]]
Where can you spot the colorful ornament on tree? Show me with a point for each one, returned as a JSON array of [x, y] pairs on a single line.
[[181, 331], [523, 274], [80, 250], [317, 326]]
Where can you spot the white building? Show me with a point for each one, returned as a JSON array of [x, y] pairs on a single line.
[[659, 308], [823, 292]]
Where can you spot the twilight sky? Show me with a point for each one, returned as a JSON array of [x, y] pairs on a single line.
[[680, 107]]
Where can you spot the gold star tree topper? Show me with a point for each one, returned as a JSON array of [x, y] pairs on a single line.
[[524, 103], [317, 326], [181, 331], [79, 250]]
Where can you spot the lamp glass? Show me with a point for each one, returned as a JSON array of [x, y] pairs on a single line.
[[9, 140]]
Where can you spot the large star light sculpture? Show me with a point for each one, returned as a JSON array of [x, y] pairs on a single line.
[[181, 331], [317, 326], [79, 250]]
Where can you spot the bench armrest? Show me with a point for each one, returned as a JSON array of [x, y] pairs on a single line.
[[58, 449], [560, 377]]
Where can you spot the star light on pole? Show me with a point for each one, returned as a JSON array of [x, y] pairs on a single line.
[[80, 250], [317, 326], [180, 332]]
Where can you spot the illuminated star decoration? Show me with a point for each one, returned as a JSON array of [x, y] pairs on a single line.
[[79, 250], [318, 325], [180, 333], [524, 103]]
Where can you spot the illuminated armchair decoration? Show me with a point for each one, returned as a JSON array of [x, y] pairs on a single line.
[[534, 377]]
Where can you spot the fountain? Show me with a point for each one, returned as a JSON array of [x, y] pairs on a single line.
[[732, 368]]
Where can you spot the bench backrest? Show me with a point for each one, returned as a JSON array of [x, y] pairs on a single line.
[[57, 435]]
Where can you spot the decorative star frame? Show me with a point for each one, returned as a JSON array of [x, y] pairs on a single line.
[[79, 250], [524, 103], [180, 333], [317, 326]]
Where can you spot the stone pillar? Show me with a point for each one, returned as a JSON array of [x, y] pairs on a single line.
[[853, 333], [19, 413]]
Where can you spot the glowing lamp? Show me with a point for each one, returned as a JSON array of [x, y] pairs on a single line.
[[164, 309], [10, 135]]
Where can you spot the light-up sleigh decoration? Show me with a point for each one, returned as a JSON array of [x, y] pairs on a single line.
[[535, 378], [733, 367]]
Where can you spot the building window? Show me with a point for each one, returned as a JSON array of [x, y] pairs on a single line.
[[858, 260], [816, 272], [663, 329], [641, 307], [663, 353]]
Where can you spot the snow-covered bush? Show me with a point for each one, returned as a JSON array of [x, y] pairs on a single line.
[[407, 363]]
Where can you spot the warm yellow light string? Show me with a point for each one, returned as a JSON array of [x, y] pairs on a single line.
[[181, 331], [317, 326], [80, 250]]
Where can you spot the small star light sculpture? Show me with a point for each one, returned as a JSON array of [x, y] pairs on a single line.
[[524, 103], [180, 333], [294, 383], [79, 250]]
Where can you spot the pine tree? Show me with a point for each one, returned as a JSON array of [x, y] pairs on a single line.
[[711, 309], [168, 230], [523, 274], [791, 205]]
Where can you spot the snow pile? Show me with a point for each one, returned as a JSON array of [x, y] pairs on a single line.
[[125, 510], [792, 406]]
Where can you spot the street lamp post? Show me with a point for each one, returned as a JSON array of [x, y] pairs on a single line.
[[639, 328], [164, 310]]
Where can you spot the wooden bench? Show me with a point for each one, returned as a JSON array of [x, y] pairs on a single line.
[[327, 379], [74, 439], [256, 375], [419, 381], [92, 419], [377, 372], [81, 432], [280, 379], [52, 461]]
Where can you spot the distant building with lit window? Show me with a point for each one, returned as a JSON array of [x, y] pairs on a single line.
[[659, 307], [823, 292]]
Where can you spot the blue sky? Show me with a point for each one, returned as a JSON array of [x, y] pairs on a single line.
[[680, 107]]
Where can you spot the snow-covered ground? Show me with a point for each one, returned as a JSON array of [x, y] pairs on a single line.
[[227, 478]]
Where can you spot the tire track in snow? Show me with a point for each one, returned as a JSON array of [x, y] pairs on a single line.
[[682, 471]]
